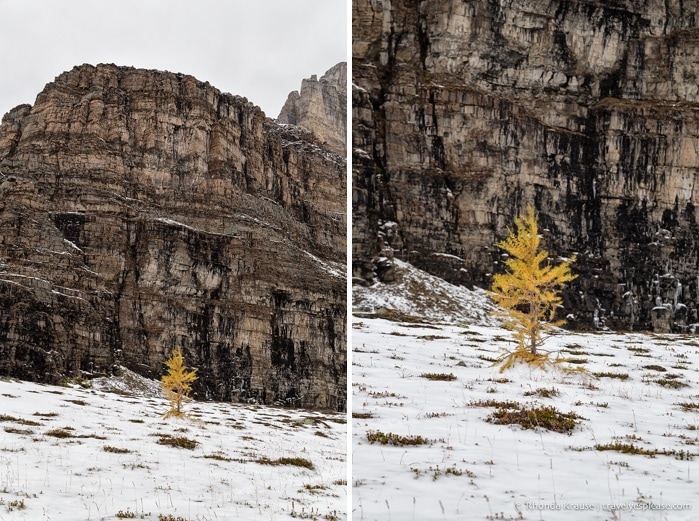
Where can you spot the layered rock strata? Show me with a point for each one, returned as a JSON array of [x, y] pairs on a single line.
[[321, 107], [465, 112], [141, 210]]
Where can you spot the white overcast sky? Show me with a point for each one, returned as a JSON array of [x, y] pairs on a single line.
[[260, 49]]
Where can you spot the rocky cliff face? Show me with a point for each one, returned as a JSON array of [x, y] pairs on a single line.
[[465, 112], [321, 107], [141, 210]]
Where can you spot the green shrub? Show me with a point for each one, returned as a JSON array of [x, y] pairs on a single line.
[[537, 417], [395, 439]]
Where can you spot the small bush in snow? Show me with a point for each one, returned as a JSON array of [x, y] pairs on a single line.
[[546, 417], [395, 439], [177, 383], [439, 377], [530, 290]]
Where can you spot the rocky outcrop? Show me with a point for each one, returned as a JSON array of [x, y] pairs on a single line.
[[321, 107], [141, 210], [465, 112]]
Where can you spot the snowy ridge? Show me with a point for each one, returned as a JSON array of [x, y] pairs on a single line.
[[128, 383], [418, 293]]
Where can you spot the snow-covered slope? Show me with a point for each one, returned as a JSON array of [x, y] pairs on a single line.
[[436, 383], [417, 293], [70, 453]]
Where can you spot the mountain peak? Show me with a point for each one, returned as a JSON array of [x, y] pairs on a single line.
[[321, 107]]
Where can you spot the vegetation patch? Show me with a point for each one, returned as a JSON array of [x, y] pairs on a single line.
[[218, 457], [654, 367], [384, 394], [177, 441], [437, 415], [443, 377], [15, 430], [21, 421], [543, 392], [620, 463], [395, 439], [116, 450], [576, 350], [433, 337], [77, 402], [421, 325], [362, 415], [689, 406], [620, 376], [546, 417], [69, 432], [496, 403], [436, 472], [95, 436], [17, 504], [640, 351], [296, 462], [313, 489], [340, 420], [46, 414], [61, 433], [673, 384], [630, 448]]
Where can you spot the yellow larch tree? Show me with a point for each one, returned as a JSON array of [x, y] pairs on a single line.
[[176, 383], [529, 291]]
